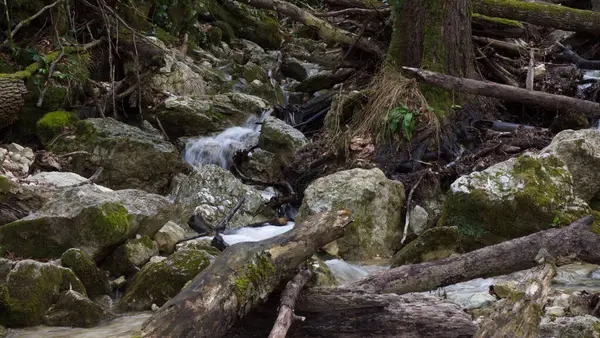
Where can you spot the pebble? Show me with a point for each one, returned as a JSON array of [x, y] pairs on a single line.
[[557, 311], [16, 157], [15, 147]]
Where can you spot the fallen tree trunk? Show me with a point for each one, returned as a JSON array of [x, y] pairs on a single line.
[[520, 313], [505, 92], [496, 28], [347, 314], [286, 309], [577, 241], [559, 17], [242, 277], [325, 29]]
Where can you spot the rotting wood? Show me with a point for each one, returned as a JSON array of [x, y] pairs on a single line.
[[578, 241], [286, 310], [549, 101], [241, 278]]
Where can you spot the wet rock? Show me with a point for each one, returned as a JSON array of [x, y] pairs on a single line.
[[375, 202], [131, 158], [95, 281], [168, 236], [418, 220], [570, 327], [280, 138], [30, 289], [89, 218], [199, 244], [158, 282], [322, 275], [213, 191], [74, 309], [580, 151], [128, 258], [433, 244], [263, 165], [293, 68], [179, 79], [513, 198]]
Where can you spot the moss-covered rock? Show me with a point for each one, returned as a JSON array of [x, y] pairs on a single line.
[[214, 35], [322, 275], [199, 244], [178, 79], [280, 138], [433, 244], [263, 165], [213, 191], [323, 80], [21, 197], [513, 199], [55, 123], [90, 218], [168, 236], [30, 289], [130, 256], [74, 309], [160, 281], [95, 281], [376, 204], [131, 158]]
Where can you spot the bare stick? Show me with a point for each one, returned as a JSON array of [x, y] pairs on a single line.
[[161, 128], [26, 22], [90, 180], [223, 222], [288, 300], [530, 71], [360, 11], [47, 84], [407, 218]]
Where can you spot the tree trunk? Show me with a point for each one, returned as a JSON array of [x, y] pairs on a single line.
[[240, 278], [11, 99], [504, 92], [578, 241], [559, 17], [346, 314]]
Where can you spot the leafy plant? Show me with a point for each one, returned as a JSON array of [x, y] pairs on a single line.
[[406, 116]]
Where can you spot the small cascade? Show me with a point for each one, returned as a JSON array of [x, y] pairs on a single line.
[[346, 272], [219, 149]]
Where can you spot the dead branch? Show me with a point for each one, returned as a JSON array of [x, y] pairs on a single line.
[[288, 299], [220, 227], [569, 55], [90, 180], [353, 11], [505, 92], [27, 21], [408, 202]]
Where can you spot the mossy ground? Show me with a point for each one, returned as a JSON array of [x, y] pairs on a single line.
[[54, 123]]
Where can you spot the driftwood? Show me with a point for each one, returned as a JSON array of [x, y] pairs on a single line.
[[577, 241], [347, 314], [241, 278], [288, 299], [505, 92], [520, 313]]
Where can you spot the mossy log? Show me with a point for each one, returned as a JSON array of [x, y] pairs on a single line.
[[578, 241], [496, 27], [519, 314], [242, 277], [343, 313], [324, 28], [12, 92], [505, 92], [559, 17]]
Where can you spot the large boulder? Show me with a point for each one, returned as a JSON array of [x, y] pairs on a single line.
[[280, 138], [212, 191], [376, 204], [168, 236], [31, 288], [178, 79], [160, 281], [433, 244], [513, 198], [131, 158], [74, 309], [95, 281], [580, 151], [91, 218], [129, 257], [263, 165]]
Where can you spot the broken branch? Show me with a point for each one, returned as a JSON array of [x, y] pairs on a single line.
[[288, 299]]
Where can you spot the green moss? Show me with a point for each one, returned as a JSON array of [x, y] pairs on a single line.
[[251, 280], [215, 35], [433, 244], [95, 281], [5, 184], [54, 123], [227, 32], [500, 21]]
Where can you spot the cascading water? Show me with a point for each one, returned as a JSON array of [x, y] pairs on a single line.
[[219, 149]]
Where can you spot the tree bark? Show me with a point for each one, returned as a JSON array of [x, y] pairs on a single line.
[[578, 241], [286, 309], [505, 92], [240, 278], [325, 29], [347, 314], [520, 313], [559, 17], [11, 99]]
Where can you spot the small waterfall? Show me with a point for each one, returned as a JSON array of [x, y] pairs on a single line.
[[219, 149], [346, 272]]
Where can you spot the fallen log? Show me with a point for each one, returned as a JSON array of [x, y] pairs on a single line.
[[551, 16], [334, 313], [520, 313], [582, 63], [242, 277], [577, 241], [286, 309], [496, 28], [505, 92]]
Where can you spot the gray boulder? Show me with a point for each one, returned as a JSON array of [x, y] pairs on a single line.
[[95, 281], [570, 327], [90, 218], [213, 191], [376, 203], [168, 236], [280, 138], [74, 309], [129, 257], [131, 158]]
